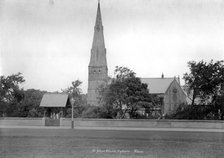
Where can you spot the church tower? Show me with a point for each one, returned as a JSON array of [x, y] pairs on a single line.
[[98, 72]]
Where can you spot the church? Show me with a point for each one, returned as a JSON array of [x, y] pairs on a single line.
[[97, 70], [167, 89]]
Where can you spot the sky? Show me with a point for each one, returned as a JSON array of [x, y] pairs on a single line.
[[49, 41]]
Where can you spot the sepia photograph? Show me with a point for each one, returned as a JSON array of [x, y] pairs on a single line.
[[111, 78]]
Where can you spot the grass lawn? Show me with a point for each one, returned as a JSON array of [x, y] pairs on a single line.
[[32, 143]]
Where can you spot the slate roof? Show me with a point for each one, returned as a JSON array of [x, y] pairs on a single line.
[[54, 100], [157, 85]]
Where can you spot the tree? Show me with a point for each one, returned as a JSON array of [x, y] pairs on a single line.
[[11, 94], [75, 92], [30, 106], [205, 79], [125, 94], [9, 87]]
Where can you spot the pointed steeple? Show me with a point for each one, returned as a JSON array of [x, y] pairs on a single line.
[[98, 51], [98, 16], [98, 72]]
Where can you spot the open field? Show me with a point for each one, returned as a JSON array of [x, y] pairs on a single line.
[[108, 143]]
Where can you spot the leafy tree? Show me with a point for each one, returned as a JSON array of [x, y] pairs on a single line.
[[125, 94], [9, 87], [75, 92], [205, 79], [122, 73], [30, 106], [11, 94]]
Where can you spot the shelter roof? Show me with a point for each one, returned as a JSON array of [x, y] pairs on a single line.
[[54, 100]]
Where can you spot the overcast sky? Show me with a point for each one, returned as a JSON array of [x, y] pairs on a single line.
[[49, 41]]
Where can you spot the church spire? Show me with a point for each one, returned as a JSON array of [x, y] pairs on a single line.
[[98, 16], [98, 52], [98, 72]]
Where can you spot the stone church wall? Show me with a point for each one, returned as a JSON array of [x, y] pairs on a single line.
[[173, 97]]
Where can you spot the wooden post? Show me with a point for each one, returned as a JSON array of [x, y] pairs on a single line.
[[72, 102]]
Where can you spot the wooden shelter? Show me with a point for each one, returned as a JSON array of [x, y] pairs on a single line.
[[54, 104]]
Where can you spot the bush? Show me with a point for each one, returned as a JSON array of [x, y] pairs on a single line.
[[95, 112], [91, 112], [194, 112]]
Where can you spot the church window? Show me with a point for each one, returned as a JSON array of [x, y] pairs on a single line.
[[174, 90]]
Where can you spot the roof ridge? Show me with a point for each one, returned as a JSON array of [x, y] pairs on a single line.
[[62, 93], [157, 78]]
